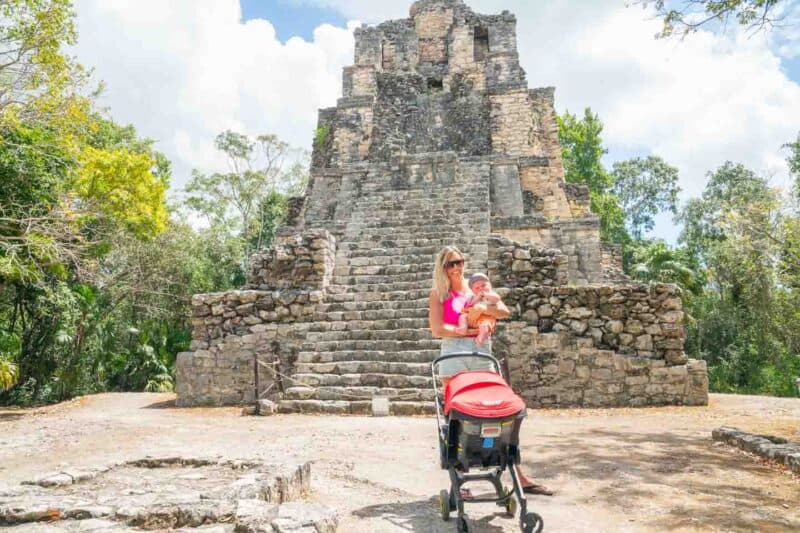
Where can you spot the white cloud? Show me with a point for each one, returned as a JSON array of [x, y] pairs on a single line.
[[183, 70]]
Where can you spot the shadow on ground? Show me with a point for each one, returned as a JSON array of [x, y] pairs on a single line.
[[168, 404], [729, 491], [423, 516]]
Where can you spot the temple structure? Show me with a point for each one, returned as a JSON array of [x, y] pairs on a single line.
[[437, 140]]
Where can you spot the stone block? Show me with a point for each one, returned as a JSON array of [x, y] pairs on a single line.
[[636, 380], [266, 408], [602, 374]]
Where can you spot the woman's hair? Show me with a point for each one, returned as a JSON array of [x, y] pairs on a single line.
[[440, 280]]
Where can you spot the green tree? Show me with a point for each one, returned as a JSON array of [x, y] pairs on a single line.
[[656, 261], [249, 200], [794, 163], [745, 319], [645, 187], [688, 16], [582, 150], [40, 82]]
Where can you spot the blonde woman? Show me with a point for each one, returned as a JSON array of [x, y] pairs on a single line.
[[448, 296]]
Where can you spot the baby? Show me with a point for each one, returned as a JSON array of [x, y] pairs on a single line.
[[473, 315]]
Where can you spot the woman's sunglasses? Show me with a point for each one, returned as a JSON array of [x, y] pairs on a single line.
[[452, 264]]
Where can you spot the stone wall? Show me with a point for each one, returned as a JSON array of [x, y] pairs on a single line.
[[296, 260], [639, 320], [578, 239], [557, 370], [599, 346], [611, 263], [232, 329], [512, 264]]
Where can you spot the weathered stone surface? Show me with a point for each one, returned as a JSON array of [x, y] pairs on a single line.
[[774, 448], [436, 107], [174, 493]]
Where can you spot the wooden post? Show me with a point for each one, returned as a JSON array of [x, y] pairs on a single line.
[[255, 372], [505, 371]]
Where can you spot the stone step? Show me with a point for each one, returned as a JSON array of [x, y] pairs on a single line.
[[420, 207], [365, 367], [351, 321], [382, 309], [395, 286], [376, 295], [371, 345], [411, 214], [393, 245], [334, 317], [357, 393], [386, 186], [411, 356], [384, 270], [394, 381], [360, 256], [385, 255], [371, 279], [448, 223], [399, 334], [333, 407], [388, 286], [388, 189], [402, 233]]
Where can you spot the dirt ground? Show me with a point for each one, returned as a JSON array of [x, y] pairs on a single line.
[[653, 469]]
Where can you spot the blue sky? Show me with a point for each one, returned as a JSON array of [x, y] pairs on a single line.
[[291, 19]]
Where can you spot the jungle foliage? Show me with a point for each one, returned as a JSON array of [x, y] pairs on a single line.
[[737, 258], [96, 268]]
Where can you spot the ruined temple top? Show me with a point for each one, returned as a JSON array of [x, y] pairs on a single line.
[[441, 39], [446, 79]]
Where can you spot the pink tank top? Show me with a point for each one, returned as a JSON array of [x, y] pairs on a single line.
[[452, 308]]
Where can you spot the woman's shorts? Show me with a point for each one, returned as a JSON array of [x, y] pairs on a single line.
[[452, 345]]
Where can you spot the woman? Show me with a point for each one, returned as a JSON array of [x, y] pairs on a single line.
[[449, 294]]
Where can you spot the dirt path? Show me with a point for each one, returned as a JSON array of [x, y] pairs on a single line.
[[615, 469]]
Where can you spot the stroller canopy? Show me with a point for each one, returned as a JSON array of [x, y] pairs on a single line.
[[482, 394]]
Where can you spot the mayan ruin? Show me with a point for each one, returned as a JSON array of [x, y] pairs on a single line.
[[437, 140]]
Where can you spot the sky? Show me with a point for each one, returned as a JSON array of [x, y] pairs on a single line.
[[184, 70]]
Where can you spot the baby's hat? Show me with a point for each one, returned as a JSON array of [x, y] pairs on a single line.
[[476, 277]]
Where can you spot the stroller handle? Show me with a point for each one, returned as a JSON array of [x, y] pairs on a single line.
[[456, 355]]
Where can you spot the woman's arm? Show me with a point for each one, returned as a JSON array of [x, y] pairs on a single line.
[[438, 328]]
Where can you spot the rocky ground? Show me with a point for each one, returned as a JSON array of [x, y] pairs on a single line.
[[651, 469]]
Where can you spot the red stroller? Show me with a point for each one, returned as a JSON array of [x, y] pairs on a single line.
[[479, 419]]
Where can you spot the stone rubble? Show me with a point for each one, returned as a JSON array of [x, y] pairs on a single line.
[[776, 449], [208, 495]]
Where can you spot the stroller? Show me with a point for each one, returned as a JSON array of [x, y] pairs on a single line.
[[479, 418]]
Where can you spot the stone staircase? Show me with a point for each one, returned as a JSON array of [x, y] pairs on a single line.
[[370, 336]]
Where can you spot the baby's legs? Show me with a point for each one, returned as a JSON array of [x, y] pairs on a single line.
[[463, 324], [484, 332], [486, 326]]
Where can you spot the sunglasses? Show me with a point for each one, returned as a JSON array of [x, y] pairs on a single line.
[[452, 264]]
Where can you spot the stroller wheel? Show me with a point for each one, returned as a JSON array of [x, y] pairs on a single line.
[[532, 523], [444, 505], [462, 527]]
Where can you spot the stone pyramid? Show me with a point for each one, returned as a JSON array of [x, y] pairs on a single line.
[[437, 140]]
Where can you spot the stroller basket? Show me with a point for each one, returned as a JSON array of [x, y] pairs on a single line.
[[479, 419]]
